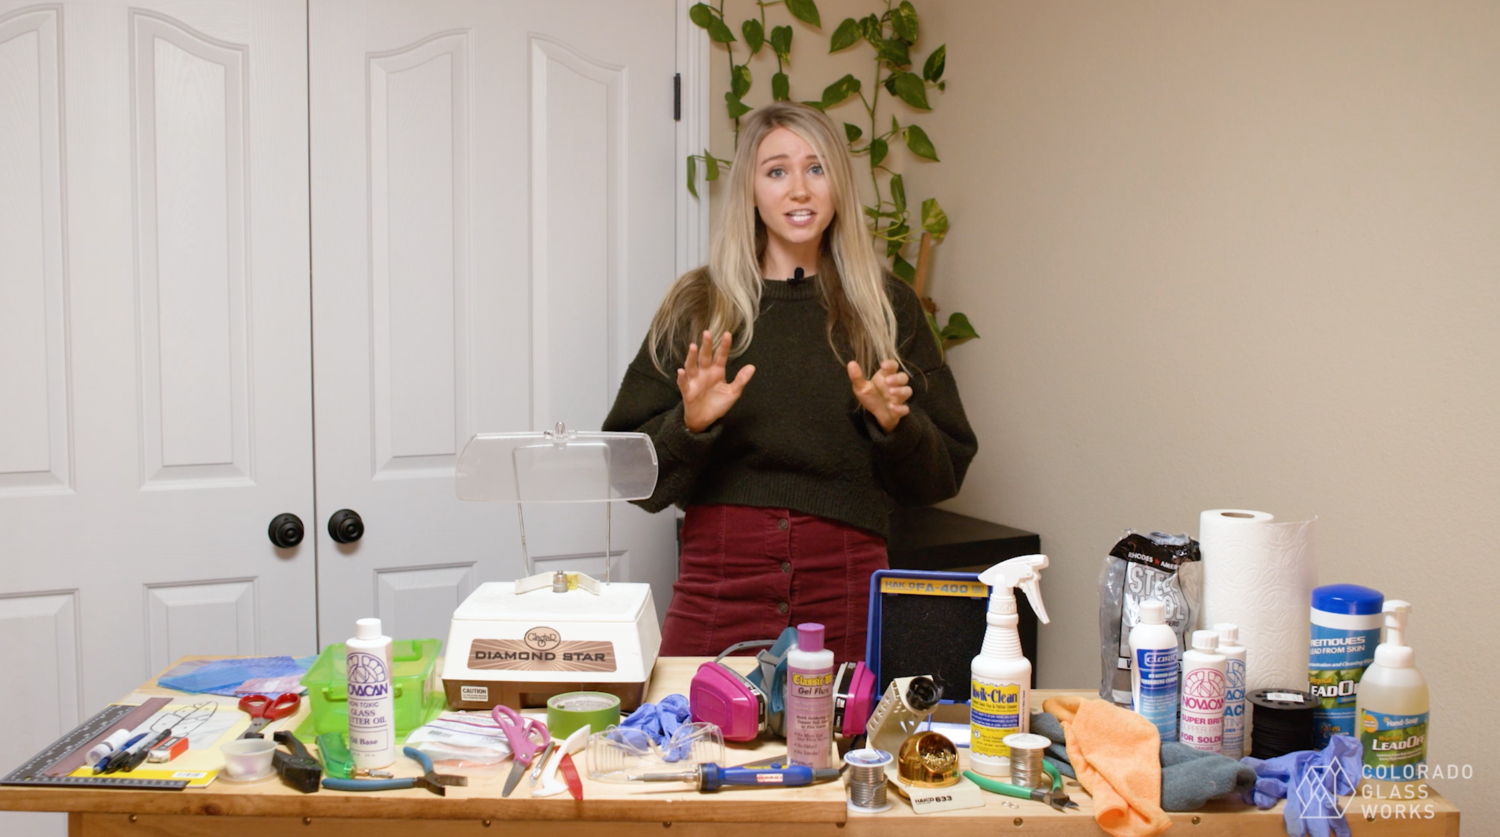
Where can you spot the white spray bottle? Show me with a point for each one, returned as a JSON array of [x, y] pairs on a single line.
[[1000, 677]]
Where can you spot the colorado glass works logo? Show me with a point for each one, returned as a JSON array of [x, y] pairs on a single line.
[[1321, 788]]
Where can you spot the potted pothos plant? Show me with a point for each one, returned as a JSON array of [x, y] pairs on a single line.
[[889, 37]]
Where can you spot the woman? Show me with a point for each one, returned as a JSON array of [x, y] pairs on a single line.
[[783, 451]]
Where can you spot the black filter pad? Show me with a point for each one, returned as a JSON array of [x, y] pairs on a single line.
[[940, 636]]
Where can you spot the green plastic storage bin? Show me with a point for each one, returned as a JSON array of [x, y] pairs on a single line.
[[414, 680]]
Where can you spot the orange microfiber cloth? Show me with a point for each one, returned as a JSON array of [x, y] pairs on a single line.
[[1116, 754]]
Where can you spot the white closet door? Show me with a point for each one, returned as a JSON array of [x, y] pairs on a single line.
[[155, 381], [493, 187]]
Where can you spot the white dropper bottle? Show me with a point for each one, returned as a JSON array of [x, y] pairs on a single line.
[[1000, 677], [1153, 669], [1392, 706]]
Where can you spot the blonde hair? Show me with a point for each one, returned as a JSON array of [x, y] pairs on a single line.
[[724, 295]]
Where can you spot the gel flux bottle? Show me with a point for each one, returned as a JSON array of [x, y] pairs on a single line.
[[1000, 677], [372, 705], [809, 698]]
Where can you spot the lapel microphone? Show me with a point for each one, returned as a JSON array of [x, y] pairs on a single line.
[[796, 276]]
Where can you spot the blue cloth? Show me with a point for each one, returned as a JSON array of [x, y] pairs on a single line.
[[1311, 782], [220, 677], [657, 723]]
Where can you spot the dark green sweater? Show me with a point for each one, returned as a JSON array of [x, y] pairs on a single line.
[[797, 438]]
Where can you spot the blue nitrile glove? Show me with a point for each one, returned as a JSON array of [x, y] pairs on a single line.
[[658, 722], [1310, 781]]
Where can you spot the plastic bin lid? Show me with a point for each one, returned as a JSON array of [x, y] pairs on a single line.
[[556, 466]]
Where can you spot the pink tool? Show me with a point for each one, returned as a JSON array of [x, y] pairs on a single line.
[[527, 737]]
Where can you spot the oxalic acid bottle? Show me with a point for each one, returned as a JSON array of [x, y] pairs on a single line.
[[372, 703], [1000, 677]]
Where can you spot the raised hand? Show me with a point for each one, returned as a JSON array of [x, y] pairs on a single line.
[[884, 394], [706, 395]]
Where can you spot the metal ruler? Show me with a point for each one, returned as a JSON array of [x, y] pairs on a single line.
[[33, 772]]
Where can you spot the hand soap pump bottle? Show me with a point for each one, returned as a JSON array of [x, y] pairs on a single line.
[[1000, 677], [1392, 707]]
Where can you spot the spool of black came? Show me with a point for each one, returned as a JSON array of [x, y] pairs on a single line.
[[1281, 722]]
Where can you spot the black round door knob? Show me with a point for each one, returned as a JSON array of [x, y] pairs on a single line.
[[346, 526], [286, 530]]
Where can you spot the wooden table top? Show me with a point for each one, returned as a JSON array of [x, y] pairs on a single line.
[[622, 803]]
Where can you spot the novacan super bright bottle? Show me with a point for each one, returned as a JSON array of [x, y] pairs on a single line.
[[372, 705]]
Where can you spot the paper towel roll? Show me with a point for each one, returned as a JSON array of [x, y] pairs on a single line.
[[1259, 574]]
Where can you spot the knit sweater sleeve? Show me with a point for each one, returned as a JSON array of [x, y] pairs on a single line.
[[924, 459], [648, 402]]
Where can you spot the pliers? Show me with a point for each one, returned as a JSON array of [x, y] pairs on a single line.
[[437, 783], [1054, 797]]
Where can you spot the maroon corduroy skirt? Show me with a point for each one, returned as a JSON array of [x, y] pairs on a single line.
[[748, 573]]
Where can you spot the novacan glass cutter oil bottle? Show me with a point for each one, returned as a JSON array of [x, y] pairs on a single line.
[[372, 705]]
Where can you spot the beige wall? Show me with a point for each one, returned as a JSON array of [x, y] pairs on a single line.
[[1234, 254]]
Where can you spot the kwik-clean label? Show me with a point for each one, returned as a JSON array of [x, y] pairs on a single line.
[[1395, 746], [995, 711], [1337, 659]]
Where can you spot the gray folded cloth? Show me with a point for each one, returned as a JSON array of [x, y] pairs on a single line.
[[1189, 778]]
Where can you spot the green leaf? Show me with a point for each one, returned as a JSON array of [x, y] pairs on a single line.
[[937, 336], [878, 150], [739, 80], [893, 52], [702, 14], [736, 107], [890, 83], [847, 35], [898, 193], [904, 21], [912, 90], [904, 270], [818, 105], [920, 145], [781, 42], [895, 126], [933, 69], [780, 88], [711, 166], [870, 28], [959, 328], [754, 33], [852, 132], [692, 176], [898, 240], [934, 219], [719, 32], [943, 85], [805, 11], [840, 90]]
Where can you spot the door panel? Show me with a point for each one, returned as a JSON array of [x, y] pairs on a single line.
[[493, 199], [154, 344]]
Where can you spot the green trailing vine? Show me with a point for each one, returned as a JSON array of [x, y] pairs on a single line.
[[891, 36]]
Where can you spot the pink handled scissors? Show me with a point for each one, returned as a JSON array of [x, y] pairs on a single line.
[[527, 737]]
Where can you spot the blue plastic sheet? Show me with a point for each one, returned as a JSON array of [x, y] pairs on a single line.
[[220, 677]]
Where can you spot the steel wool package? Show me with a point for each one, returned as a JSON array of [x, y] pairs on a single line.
[[1141, 567]]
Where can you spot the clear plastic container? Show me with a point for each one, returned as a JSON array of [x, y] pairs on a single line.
[[414, 679]]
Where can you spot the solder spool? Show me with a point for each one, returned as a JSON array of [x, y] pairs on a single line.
[[1026, 752], [867, 780]]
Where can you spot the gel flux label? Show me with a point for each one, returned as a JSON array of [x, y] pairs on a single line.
[[1157, 669], [1395, 746], [995, 711], [809, 716]]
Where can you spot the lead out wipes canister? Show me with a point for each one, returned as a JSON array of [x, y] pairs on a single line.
[[1346, 621]]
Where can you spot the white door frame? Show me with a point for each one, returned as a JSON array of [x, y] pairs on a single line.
[[693, 53]]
